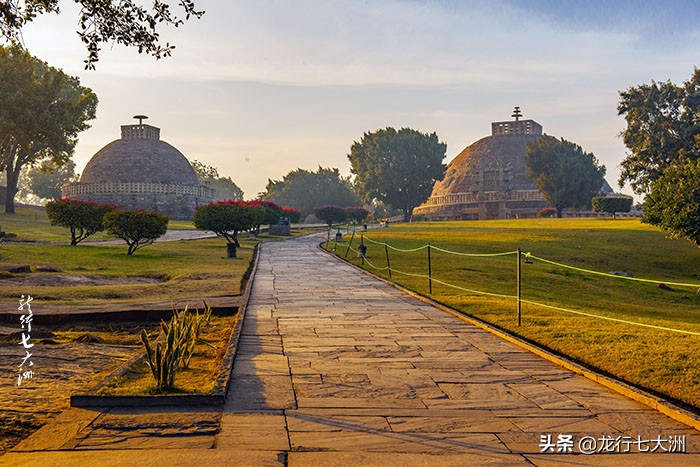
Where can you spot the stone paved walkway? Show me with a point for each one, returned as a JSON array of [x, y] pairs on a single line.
[[336, 368]]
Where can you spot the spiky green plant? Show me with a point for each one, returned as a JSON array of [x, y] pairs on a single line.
[[163, 359], [181, 335]]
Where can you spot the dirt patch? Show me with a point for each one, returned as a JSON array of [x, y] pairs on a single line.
[[61, 366], [68, 280]]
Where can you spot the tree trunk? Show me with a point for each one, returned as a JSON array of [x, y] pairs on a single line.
[[230, 250], [407, 213], [12, 179]]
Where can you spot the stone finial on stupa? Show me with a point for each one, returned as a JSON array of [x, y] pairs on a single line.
[[516, 113]]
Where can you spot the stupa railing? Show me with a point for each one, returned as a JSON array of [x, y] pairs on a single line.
[[81, 188], [487, 196]]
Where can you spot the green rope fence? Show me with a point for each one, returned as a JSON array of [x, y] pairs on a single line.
[[518, 297]]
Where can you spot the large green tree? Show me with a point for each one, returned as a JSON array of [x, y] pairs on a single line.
[[397, 167], [662, 129], [124, 22], [46, 179], [612, 204], [673, 202], [304, 190], [42, 112], [224, 188], [566, 176]]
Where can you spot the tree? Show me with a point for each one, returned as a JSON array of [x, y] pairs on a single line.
[[397, 167], [42, 112], [124, 22], [304, 190], [566, 176], [662, 129], [271, 212], [83, 218], [612, 204], [224, 188], [46, 180], [356, 213], [293, 214], [136, 228], [330, 214], [673, 202], [226, 219]]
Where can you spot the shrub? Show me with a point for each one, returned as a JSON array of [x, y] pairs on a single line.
[[181, 335], [547, 212], [226, 219], [83, 218], [330, 214], [356, 213], [269, 213], [293, 214], [612, 204], [136, 228]]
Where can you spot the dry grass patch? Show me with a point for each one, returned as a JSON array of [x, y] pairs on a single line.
[[198, 378]]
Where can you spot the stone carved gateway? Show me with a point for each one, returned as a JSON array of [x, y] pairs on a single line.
[[140, 171]]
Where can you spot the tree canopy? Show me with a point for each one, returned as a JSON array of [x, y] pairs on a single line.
[[225, 218], [46, 179], [42, 112], [137, 228], [566, 176], [304, 190], [224, 188], [397, 167], [330, 214], [662, 129], [82, 218], [125, 22], [673, 202], [612, 204], [356, 213]]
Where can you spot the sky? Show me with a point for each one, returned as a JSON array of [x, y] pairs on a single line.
[[257, 88]]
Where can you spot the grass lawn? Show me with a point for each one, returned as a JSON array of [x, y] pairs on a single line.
[[175, 270], [163, 271], [661, 361], [179, 269]]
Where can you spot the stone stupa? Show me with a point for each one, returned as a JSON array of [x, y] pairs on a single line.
[[140, 171], [488, 179]]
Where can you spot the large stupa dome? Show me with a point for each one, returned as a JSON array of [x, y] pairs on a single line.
[[140, 171], [488, 179]]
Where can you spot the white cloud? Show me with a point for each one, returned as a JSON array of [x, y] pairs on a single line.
[[292, 84]]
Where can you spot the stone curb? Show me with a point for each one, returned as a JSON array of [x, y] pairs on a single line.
[[154, 311], [664, 406], [216, 397]]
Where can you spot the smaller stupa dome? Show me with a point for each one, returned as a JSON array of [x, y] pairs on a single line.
[[139, 156], [139, 171]]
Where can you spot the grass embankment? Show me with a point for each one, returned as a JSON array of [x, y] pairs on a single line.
[[177, 269], [32, 225], [662, 361], [199, 377]]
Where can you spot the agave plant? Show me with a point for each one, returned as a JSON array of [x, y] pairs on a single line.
[[181, 335]]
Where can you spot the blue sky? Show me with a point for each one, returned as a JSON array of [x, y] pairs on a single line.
[[258, 88]]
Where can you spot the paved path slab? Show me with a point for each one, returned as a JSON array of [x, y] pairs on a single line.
[[337, 368], [363, 374]]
